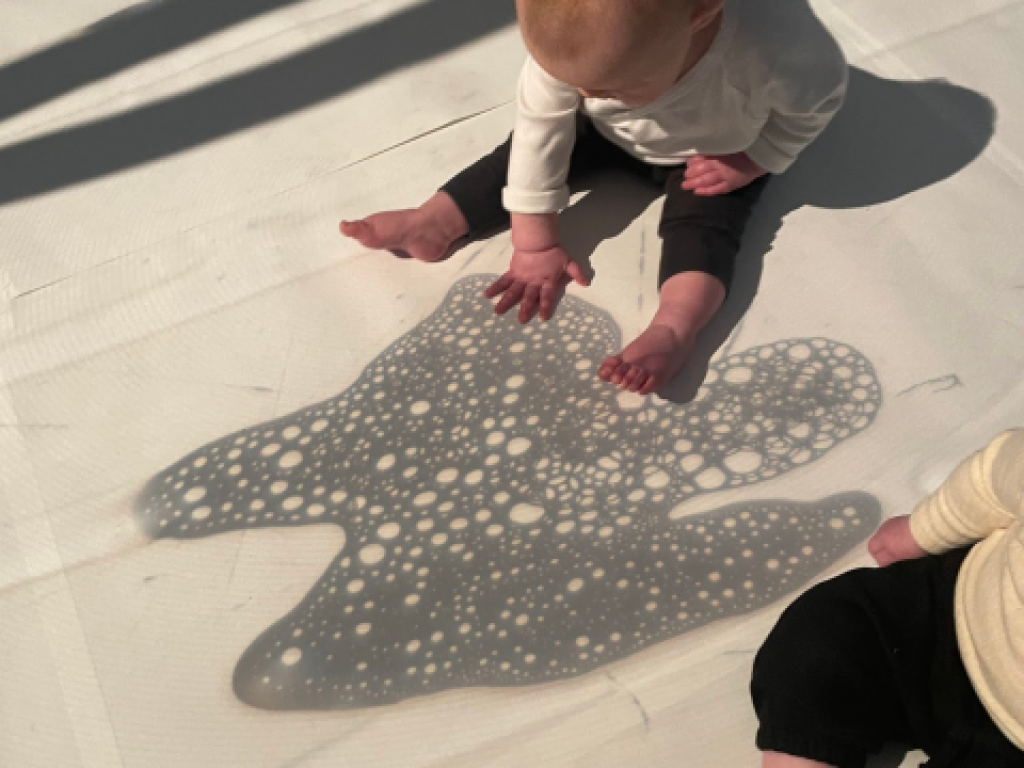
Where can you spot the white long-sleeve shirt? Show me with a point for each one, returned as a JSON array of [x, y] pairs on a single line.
[[983, 501], [768, 85]]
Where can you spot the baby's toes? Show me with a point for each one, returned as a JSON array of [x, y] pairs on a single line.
[[650, 384], [626, 382], [364, 231], [352, 228], [608, 367], [638, 382], [620, 373]]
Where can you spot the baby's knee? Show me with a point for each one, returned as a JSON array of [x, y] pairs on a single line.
[[814, 637]]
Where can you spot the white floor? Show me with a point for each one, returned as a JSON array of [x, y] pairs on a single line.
[[171, 274]]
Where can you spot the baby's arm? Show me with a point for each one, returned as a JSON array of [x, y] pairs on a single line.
[[537, 189], [542, 143], [984, 494]]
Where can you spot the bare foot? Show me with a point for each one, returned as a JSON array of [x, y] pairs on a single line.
[[427, 233], [688, 301], [650, 361]]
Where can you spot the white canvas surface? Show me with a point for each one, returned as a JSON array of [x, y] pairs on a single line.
[[171, 274]]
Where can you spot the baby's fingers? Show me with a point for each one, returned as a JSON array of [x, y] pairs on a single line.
[[695, 166], [550, 295], [500, 285], [693, 171], [705, 179], [548, 301], [531, 300], [576, 273], [878, 546], [709, 190], [512, 297], [883, 558]]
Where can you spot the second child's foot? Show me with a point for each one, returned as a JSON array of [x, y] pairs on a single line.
[[650, 361], [427, 233]]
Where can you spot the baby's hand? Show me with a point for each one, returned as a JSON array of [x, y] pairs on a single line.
[[719, 174], [894, 542], [537, 279]]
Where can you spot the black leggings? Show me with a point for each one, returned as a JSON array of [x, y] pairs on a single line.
[[870, 658], [700, 234]]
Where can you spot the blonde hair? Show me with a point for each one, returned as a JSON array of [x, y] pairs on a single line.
[[565, 27]]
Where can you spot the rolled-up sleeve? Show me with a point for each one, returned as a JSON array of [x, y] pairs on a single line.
[[984, 494]]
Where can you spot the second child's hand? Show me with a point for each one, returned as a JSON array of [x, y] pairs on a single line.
[[894, 542]]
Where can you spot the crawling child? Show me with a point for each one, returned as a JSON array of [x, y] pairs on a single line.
[[927, 652], [703, 98]]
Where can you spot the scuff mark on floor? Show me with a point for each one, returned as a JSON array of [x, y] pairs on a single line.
[[39, 288], [643, 253], [242, 604], [238, 555], [424, 134], [941, 384], [470, 259], [252, 388], [636, 700]]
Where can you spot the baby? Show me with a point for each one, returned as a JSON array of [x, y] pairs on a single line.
[[928, 652], [702, 97]]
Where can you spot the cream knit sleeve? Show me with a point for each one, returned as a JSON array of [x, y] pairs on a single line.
[[983, 495], [542, 144]]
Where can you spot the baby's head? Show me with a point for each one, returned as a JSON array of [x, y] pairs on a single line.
[[632, 51]]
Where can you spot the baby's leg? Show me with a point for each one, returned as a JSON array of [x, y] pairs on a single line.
[[469, 205], [822, 688], [861, 660], [426, 233], [701, 239], [688, 301]]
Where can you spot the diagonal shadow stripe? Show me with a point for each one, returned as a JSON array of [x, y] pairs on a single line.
[[77, 154], [129, 37]]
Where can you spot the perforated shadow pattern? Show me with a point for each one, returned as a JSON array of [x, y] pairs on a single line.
[[509, 518]]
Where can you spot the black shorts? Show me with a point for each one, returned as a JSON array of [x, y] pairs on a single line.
[[870, 658]]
